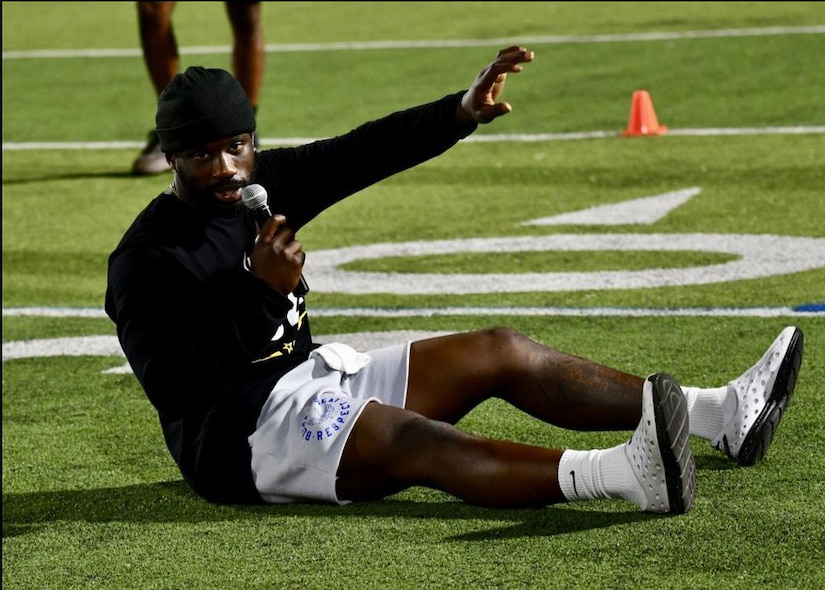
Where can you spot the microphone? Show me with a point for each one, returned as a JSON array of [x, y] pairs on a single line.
[[254, 199]]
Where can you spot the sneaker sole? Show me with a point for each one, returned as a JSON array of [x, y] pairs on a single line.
[[673, 432], [756, 443]]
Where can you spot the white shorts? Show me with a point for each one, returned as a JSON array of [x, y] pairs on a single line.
[[308, 417]]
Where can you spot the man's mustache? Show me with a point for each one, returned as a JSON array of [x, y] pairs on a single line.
[[227, 186]]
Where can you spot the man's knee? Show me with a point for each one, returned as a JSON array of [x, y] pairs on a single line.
[[504, 336], [505, 346]]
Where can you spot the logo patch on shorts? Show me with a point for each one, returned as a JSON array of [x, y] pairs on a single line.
[[326, 418]]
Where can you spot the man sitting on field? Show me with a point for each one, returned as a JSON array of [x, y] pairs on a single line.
[[211, 312]]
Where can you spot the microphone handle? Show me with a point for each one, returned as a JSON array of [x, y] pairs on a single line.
[[301, 288], [261, 215]]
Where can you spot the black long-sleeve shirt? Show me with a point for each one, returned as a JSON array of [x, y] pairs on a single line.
[[207, 339]]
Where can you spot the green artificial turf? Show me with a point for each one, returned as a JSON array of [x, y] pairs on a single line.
[[91, 497]]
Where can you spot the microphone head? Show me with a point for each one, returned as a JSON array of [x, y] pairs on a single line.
[[254, 196]]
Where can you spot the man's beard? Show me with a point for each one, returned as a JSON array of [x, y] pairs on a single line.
[[204, 197]]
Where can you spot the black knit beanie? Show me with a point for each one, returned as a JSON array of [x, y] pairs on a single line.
[[199, 106]]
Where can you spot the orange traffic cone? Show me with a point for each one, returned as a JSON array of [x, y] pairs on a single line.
[[643, 119]]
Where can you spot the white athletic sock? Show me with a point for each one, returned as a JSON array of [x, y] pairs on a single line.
[[600, 473], [709, 410]]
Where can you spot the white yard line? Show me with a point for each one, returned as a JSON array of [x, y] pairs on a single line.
[[432, 44], [753, 312]]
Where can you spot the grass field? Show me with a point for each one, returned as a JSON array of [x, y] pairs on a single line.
[[91, 497]]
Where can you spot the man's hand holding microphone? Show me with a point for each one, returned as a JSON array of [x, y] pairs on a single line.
[[277, 257]]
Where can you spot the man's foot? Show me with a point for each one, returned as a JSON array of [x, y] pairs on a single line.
[[151, 160], [762, 394], [659, 450]]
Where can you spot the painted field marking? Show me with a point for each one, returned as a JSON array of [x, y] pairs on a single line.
[[431, 44]]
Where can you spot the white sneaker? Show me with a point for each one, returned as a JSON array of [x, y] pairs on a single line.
[[659, 450], [762, 394]]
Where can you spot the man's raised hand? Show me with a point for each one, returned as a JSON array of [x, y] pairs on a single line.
[[480, 102]]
